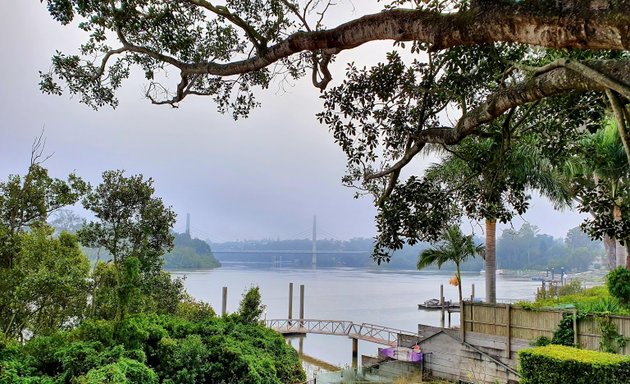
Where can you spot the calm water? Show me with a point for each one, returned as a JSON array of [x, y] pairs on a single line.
[[378, 296]]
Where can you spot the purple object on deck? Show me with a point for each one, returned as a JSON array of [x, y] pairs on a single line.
[[401, 353]]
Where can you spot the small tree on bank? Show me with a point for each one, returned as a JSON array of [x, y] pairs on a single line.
[[251, 307], [455, 247]]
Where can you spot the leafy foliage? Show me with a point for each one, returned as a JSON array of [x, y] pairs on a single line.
[[189, 253], [134, 227], [602, 175], [564, 334], [618, 282], [554, 364], [47, 288], [612, 341], [154, 349], [455, 247], [251, 308]]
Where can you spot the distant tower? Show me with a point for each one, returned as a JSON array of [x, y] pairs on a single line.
[[314, 260], [188, 224]]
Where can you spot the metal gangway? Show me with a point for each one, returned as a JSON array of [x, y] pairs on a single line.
[[364, 331]]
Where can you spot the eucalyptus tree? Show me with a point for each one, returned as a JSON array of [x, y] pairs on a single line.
[[454, 247]]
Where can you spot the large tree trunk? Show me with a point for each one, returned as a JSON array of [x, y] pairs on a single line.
[[620, 253], [491, 261], [610, 247]]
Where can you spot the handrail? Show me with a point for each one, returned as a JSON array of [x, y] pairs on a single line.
[[364, 331]]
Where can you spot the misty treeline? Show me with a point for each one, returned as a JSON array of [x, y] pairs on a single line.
[[525, 248], [122, 319]]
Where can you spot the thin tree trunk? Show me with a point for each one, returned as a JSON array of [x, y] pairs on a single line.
[[610, 246], [491, 261], [459, 286]]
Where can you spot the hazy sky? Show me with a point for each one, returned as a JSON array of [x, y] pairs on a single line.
[[257, 178]]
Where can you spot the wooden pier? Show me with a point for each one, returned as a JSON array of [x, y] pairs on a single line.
[[364, 331]]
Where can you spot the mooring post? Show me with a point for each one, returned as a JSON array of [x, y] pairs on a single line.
[[290, 303], [355, 352], [301, 305], [442, 305], [224, 302]]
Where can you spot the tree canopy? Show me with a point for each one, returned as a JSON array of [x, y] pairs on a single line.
[[547, 66]]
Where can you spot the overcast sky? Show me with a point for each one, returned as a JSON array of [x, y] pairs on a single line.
[[264, 177]]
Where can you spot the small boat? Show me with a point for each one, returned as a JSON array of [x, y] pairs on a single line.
[[434, 304]]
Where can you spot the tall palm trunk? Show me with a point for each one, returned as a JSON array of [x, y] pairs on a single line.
[[459, 284], [491, 260]]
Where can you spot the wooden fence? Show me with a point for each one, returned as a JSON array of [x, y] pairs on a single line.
[[511, 322]]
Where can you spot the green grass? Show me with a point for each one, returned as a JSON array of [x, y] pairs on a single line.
[[591, 300]]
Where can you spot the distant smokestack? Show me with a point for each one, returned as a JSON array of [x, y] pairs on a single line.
[[314, 258], [188, 224]]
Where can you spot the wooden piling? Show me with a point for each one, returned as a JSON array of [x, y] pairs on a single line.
[[355, 352], [290, 303], [576, 339], [224, 302], [302, 305], [442, 305]]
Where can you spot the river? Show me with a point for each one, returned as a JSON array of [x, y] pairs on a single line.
[[378, 296]]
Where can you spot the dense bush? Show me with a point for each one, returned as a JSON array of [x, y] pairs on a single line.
[[618, 282], [556, 364], [151, 349]]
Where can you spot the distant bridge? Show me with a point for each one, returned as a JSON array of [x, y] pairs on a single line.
[[364, 331], [284, 251], [294, 257]]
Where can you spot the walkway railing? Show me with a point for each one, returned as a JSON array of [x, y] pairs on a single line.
[[365, 331]]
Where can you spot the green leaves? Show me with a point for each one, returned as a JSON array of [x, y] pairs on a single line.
[[134, 227], [618, 282], [251, 308]]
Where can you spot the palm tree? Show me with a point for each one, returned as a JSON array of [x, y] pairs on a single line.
[[490, 178], [602, 166], [455, 247]]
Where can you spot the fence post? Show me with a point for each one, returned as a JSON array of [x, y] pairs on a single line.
[[576, 337], [462, 322], [508, 331]]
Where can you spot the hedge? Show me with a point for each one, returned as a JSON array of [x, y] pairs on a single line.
[[557, 364]]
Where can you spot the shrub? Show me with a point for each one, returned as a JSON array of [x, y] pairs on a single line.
[[618, 282], [556, 364]]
